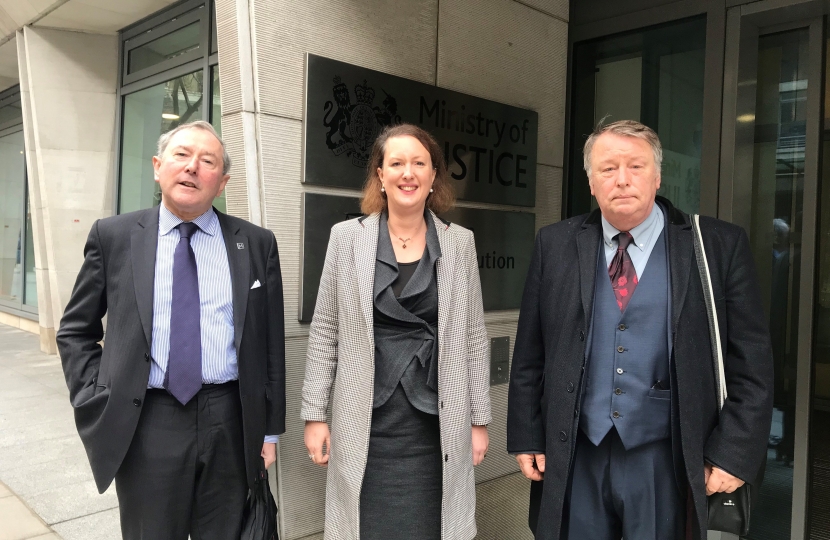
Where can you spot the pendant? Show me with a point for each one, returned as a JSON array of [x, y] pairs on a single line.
[[404, 246]]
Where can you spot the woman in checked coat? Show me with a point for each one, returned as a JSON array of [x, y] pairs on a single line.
[[399, 350]]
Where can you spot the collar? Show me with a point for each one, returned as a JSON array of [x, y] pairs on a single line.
[[642, 233], [208, 222]]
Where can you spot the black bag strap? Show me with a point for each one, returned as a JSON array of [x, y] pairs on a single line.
[[709, 296]]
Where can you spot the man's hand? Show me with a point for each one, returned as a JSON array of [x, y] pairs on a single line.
[[269, 453], [532, 466], [481, 441], [316, 435], [720, 481]]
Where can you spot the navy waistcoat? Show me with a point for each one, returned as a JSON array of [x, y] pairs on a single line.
[[628, 355]]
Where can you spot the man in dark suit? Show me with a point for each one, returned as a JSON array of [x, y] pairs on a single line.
[[183, 404], [612, 410]]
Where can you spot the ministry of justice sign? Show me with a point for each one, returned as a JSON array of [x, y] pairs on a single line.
[[490, 147]]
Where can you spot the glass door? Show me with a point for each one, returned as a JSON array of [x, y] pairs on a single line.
[[770, 173]]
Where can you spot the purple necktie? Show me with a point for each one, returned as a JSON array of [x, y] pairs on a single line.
[[622, 273], [184, 365]]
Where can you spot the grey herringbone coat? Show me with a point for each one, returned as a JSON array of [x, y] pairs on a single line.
[[341, 352]]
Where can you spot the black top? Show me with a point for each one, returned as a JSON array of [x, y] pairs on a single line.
[[405, 273], [406, 322]]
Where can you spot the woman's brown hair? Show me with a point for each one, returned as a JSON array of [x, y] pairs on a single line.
[[442, 197]]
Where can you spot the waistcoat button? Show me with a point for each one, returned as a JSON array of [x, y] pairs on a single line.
[[619, 370], [620, 348], [616, 414], [618, 391], [622, 327]]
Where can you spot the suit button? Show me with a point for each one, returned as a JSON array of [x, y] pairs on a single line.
[[137, 402], [570, 387], [620, 348], [446, 457], [576, 413], [146, 357], [622, 327], [618, 391], [616, 414], [581, 335], [563, 436]]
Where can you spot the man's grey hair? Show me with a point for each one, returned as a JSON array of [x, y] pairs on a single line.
[[164, 140], [623, 128]]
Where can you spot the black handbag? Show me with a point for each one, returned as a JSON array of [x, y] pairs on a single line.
[[728, 512], [259, 520]]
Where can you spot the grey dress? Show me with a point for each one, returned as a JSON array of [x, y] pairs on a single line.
[[401, 493]]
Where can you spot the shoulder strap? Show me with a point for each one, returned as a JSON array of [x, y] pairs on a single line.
[[709, 295]]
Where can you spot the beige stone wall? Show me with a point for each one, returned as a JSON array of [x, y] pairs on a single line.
[[68, 84], [507, 51]]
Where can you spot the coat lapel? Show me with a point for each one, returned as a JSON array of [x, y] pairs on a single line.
[[444, 267], [681, 260], [365, 255], [587, 241], [239, 261], [143, 243]]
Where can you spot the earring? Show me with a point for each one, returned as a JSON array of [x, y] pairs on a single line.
[[382, 189], [431, 190]]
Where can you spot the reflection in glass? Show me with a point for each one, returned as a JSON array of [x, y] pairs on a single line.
[[654, 76], [30, 292], [169, 46], [147, 114], [12, 191], [216, 120], [11, 114], [775, 236], [818, 497]]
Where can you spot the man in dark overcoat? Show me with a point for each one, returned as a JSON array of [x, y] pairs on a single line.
[[612, 407]]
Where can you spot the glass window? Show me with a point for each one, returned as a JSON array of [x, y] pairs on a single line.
[[147, 114], [30, 287], [12, 193], [151, 108], [11, 114], [169, 46], [654, 76]]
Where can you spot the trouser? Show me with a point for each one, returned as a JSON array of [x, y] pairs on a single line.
[[617, 493], [184, 473]]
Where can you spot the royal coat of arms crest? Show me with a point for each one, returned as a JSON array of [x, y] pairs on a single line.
[[352, 128]]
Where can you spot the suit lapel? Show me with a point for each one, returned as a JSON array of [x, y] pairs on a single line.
[[444, 265], [143, 243], [587, 241], [239, 261], [365, 254]]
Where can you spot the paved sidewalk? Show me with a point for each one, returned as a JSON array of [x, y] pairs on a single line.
[[42, 460]]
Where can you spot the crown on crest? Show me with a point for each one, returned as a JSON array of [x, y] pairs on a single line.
[[364, 93]]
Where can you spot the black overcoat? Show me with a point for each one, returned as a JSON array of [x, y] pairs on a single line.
[[107, 384], [549, 358]]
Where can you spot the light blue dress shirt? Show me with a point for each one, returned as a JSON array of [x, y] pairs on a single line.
[[219, 363], [645, 238]]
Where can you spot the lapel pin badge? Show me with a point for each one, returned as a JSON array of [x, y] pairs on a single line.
[[240, 245]]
